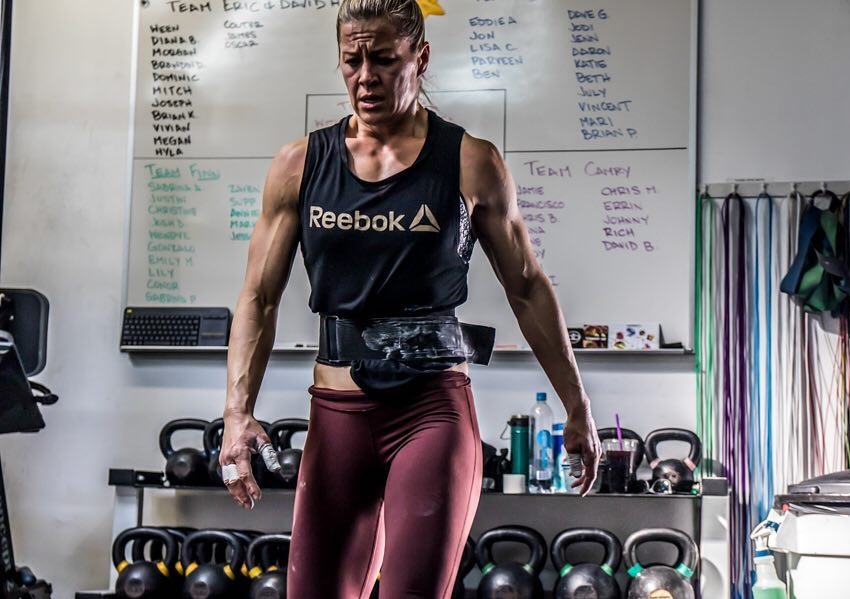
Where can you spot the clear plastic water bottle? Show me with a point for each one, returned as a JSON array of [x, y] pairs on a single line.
[[557, 451], [540, 471]]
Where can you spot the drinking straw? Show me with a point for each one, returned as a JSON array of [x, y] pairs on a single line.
[[619, 430]]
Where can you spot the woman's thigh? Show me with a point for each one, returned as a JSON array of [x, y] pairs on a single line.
[[432, 491], [336, 531]]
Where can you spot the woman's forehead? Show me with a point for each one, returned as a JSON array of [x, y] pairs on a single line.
[[375, 31]]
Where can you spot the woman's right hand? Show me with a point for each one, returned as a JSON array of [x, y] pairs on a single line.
[[243, 436]]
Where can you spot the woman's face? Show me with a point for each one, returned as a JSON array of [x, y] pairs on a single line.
[[380, 69]]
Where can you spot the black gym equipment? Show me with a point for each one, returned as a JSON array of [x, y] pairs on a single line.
[[680, 473], [187, 465], [586, 580], [155, 551], [23, 347], [268, 580], [213, 434], [142, 579], [518, 581], [281, 433], [660, 580], [208, 580]]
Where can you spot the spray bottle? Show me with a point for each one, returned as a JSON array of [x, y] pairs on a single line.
[[767, 584]]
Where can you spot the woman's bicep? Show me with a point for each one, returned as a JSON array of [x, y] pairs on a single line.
[[275, 236]]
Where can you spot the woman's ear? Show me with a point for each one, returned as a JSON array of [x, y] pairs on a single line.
[[424, 57]]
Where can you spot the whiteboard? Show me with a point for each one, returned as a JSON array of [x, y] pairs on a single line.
[[591, 103]]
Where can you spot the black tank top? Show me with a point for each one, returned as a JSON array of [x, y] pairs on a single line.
[[395, 247]]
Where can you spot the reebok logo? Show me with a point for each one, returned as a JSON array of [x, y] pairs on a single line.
[[345, 221], [430, 225]]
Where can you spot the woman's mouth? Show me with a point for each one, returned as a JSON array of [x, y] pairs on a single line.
[[370, 102]]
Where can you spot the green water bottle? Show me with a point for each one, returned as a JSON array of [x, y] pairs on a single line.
[[519, 444]]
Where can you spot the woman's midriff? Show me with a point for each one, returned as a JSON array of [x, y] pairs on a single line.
[[339, 377]]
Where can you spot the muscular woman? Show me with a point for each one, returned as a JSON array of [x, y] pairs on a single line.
[[386, 206]]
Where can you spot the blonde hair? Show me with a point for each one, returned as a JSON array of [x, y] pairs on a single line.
[[405, 16]]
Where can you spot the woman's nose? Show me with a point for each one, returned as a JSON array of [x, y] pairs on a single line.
[[367, 74]]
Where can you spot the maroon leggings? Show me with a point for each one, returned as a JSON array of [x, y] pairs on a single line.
[[388, 485]]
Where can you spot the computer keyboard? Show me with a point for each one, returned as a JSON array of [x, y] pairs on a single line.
[[186, 327]]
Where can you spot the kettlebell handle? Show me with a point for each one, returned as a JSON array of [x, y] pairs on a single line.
[[688, 552], [255, 557], [189, 424], [517, 534], [212, 435], [673, 434], [611, 433], [610, 543], [281, 431], [143, 533], [196, 539], [138, 550]]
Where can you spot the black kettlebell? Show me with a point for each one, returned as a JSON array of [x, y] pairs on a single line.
[[186, 466], [156, 552], [213, 434], [680, 473], [467, 562], [586, 580], [142, 579], [209, 580], [661, 581], [627, 433], [281, 432], [268, 579], [517, 581], [247, 537]]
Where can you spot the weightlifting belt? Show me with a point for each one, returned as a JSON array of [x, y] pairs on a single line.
[[432, 337]]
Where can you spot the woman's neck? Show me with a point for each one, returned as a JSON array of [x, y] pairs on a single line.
[[413, 123]]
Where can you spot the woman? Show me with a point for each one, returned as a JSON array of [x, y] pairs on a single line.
[[386, 206]]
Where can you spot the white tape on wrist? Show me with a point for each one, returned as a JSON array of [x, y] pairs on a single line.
[[229, 474], [269, 457]]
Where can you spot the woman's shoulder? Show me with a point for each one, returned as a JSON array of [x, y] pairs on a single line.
[[284, 177], [290, 157], [479, 155]]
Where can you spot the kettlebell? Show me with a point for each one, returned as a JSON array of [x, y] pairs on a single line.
[[267, 552], [186, 466], [518, 581], [268, 579], [680, 473], [213, 434], [281, 432], [586, 580], [209, 580], [467, 562], [661, 581], [142, 579], [627, 433], [156, 552]]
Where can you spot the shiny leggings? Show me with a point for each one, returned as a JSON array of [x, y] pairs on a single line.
[[388, 485]]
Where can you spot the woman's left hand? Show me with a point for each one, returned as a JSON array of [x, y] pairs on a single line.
[[580, 439]]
